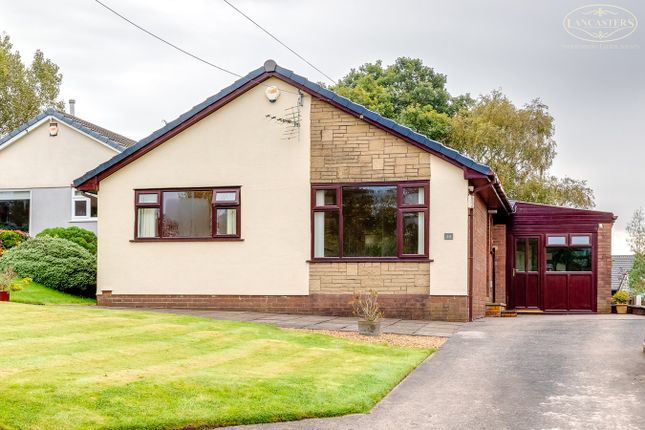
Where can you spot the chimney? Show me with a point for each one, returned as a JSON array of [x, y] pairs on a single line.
[[72, 107]]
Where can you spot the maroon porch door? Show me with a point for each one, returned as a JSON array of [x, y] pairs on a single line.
[[526, 273]]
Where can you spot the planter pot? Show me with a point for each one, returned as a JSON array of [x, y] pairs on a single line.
[[369, 328], [4, 296], [621, 308]]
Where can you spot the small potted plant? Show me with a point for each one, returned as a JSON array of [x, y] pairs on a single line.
[[8, 283], [620, 299], [367, 309]]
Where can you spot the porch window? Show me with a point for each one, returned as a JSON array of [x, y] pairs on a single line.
[[385, 220], [571, 259], [210, 213], [84, 206], [14, 210]]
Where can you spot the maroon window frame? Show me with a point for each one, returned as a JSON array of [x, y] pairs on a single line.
[[402, 208], [229, 204]]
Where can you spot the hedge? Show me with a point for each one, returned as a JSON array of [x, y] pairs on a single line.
[[80, 236]]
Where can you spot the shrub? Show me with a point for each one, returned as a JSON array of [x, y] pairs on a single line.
[[621, 297], [11, 238], [80, 236], [54, 262]]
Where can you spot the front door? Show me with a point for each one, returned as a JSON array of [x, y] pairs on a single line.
[[526, 273]]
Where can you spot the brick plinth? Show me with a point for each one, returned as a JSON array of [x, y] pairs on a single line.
[[408, 306]]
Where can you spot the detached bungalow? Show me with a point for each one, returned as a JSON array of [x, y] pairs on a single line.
[[38, 162], [278, 195]]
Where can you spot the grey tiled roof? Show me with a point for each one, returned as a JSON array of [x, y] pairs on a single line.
[[275, 70], [619, 265], [115, 140]]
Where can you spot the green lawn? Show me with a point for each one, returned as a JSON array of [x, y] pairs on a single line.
[[88, 368], [37, 294]]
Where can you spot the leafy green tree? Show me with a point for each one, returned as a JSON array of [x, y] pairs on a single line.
[[516, 142], [637, 275], [406, 91], [25, 90]]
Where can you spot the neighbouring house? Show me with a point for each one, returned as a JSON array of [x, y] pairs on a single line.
[[38, 162], [620, 267], [279, 195]]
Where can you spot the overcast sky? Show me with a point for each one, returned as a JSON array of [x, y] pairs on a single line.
[[127, 81]]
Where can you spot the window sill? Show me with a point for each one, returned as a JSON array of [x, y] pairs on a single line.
[[191, 239], [372, 260], [84, 220]]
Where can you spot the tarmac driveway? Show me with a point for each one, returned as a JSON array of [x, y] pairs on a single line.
[[531, 372]]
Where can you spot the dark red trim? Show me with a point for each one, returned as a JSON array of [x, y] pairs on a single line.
[[401, 209], [214, 206]]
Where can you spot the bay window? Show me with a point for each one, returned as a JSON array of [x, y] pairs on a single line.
[[364, 221], [210, 213]]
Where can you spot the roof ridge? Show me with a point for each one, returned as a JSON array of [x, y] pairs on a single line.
[[102, 134]]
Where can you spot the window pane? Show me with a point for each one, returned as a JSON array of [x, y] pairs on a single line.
[[326, 198], [520, 253], [14, 195], [413, 233], [556, 240], [14, 214], [148, 198], [80, 208], [228, 196], [147, 222], [226, 221], [187, 213], [533, 256], [413, 196], [580, 240], [369, 221], [94, 207], [326, 234], [568, 259]]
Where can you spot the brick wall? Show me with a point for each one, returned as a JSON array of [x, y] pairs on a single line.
[[604, 269], [408, 306], [347, 149], [499, 241], [386, 278], [481, 254], [448, 308]]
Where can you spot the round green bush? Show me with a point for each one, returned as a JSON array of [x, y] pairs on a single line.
[[80, 236], [54, 262], [11, 238]]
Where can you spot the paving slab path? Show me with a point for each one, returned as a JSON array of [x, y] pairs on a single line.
[[320, 322], [532, 372]]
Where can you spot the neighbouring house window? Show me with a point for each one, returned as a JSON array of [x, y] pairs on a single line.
[[574, 255], [210, 213], [370, 221], [84, 206], [14, 210]]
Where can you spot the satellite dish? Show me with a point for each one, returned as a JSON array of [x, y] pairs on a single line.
[[272, 93]]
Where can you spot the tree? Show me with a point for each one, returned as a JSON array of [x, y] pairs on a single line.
[[25, 90], [516, 142], [406, 91], [637, 275], [636, 232]]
